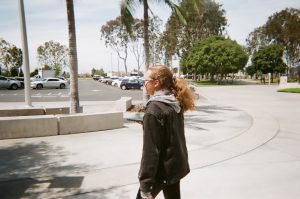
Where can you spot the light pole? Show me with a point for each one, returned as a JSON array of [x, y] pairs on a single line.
[[25, 55]]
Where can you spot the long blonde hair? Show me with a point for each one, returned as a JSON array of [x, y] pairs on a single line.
[[177, 86]]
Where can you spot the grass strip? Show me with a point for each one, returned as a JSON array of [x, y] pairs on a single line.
[[290, 90]]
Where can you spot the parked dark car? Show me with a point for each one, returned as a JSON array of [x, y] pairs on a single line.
[[131, 84]]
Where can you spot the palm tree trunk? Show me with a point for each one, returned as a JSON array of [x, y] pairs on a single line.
[[146, 44], [74, 96]]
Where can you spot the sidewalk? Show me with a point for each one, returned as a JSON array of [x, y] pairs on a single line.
[[237, 149]]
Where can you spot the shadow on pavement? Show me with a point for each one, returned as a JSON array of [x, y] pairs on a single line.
[[111, 192], [15, 189], [194, 120], [22, 166], [214, 109]]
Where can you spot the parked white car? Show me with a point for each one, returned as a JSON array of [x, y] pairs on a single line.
[[117, 82], [49, 83], [9, 83]]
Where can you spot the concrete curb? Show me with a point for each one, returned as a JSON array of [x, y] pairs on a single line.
[[35, 111]]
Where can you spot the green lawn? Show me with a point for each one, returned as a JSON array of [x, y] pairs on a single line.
[[290, 90], [212, 83]]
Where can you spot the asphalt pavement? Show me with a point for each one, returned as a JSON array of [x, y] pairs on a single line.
[[243, 142], [89, 90]]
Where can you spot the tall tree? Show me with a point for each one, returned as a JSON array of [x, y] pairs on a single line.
[[53, 54], [215, 56], [256, 39], [205, 18], [268, 59], [74, 94], [10, 57], [4, 46], [282, 28], [127, 9], [15, 60], [136, 45], [154, 35], [116, 37]]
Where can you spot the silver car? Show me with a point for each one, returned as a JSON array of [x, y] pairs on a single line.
[[50, 82], [9, 83]]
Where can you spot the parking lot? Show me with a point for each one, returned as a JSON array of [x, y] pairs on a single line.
[[89, 90]]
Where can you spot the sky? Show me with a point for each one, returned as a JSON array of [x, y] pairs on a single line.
[[47, 20]]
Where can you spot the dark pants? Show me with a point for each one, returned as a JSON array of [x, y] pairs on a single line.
[[171, 191]]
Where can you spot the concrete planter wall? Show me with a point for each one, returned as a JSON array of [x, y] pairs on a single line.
[[27, 126], [69, 124], [48, 125], [34, 122]]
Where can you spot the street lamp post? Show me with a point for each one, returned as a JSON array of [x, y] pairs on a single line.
[[25, 55]]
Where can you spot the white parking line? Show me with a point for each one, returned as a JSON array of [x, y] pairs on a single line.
[[96, 90], [49, 93], [49, 96]]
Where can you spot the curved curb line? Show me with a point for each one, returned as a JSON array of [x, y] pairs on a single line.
[[264, 129]]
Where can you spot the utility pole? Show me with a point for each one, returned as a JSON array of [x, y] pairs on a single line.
[[25, 55]]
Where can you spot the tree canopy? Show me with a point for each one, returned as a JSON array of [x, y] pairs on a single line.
[[117, 38], [10, 57], [268, 59], [215, 56], [100, 71], [282, 28], [53, 54], [204, 18]]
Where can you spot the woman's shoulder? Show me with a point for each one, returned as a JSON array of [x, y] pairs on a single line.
[[153, 106], [156, 107]]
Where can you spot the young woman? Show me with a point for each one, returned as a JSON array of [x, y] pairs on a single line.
[[165, 159]]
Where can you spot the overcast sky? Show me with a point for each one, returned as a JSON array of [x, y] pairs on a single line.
[[47, 20]]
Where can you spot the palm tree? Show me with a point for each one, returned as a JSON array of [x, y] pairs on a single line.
[[128, 7], [74, 96]]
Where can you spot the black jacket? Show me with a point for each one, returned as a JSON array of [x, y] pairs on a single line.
[[165, 157]]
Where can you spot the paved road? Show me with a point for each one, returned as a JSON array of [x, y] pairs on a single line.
[[89, 90]]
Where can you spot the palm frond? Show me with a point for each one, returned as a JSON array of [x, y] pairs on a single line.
[[198, 6], [177, 10], [127, 8]]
